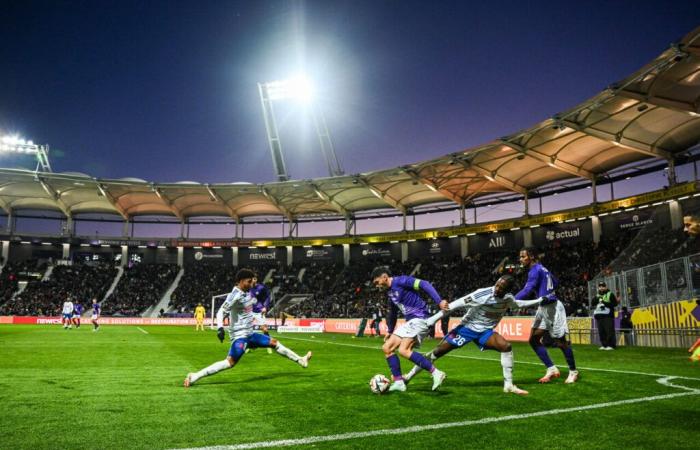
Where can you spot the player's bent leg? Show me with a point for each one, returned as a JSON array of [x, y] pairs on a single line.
[[261, 340], [442, 349]]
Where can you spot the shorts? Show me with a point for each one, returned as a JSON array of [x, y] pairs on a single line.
[[552, 318], [239, 346], [67, 316], [414, 328], [259, 319], [199, 319], [76, 316], [94, 317], [461, 336]]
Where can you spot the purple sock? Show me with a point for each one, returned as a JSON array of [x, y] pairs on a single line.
[[395, 367], [420, 360], [543, 355], [569, 355]]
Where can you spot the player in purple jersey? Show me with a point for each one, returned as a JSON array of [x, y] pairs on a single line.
[[549, 319], [77, 311], [404, 296], [261, 294], [95, 314]]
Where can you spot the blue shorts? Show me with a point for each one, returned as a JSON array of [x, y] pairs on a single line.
[[461, 336], [239, 346], [68, 316]]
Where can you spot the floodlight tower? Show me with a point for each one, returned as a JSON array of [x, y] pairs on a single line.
[[14, 144], [300, 89]]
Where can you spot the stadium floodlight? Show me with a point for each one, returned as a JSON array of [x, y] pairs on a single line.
[[15, 144], [297, 88]]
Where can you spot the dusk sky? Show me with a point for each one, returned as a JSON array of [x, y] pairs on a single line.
[[167, 91]]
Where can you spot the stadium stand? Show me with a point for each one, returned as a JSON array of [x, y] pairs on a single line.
[[80, 282], [141, 286]]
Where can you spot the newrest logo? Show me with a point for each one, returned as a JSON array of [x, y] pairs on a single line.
[[261, 256], [566, 234]]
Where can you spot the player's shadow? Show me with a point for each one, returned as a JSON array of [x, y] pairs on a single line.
[[266, 377]]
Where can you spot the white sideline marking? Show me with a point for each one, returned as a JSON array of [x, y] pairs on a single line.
[[439, 426], [480, 358], [142, 330]]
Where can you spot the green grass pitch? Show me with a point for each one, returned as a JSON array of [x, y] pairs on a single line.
[[122, 388]]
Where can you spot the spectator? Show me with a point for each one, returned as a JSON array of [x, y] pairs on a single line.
[[626, 326], [605, 317]]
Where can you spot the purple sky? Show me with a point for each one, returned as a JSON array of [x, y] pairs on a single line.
[[166, 91]]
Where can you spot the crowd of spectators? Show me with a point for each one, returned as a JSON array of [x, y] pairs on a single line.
[[78, 282], [141, 286], [14, 272]]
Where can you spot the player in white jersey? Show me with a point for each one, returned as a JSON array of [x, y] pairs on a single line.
[[67, 314], [239, 307], [485, 308]]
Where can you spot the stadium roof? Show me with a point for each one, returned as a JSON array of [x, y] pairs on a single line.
[[652, 114]]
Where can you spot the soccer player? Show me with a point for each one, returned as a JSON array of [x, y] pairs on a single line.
[[261, 295], [550, 318], [77, 311], [95, 314], [404, 295], [239, 307], [67, 314], [485, 308], [199, 313]]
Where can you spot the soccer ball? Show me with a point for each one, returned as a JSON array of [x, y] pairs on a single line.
[[378, 384]]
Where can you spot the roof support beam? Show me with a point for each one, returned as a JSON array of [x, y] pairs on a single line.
[[552, 161], [675, 105], [110, 198], [381, 195], [55, 196], [326, 198], [167, 202], [433, 187], [495, 177], [615, 140], [5, 207], [217, 198], [285, 212]]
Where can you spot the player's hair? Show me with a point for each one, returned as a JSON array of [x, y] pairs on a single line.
[[510, 283], [531, 252], [379, 271], [243, 274]]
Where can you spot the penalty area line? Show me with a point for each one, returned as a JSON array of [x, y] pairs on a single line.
[[438, 426], [142, 330]]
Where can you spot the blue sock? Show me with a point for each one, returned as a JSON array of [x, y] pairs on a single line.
[[569, 355], [421, 361], [395, 367], [543, 355]]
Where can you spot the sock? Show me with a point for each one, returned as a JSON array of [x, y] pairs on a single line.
[[284, 351], [395, 367], [211, 370], [543, 355], [569, 355], [507, 364], [420, 360]]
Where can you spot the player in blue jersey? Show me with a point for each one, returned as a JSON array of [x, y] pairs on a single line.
[[485, 308], [549, 319], [95, 314], [404, 296], [261, 294], [77, 311], [239, 307]]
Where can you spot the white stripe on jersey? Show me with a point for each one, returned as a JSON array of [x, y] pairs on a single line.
[[239, 307], [485, 310]]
